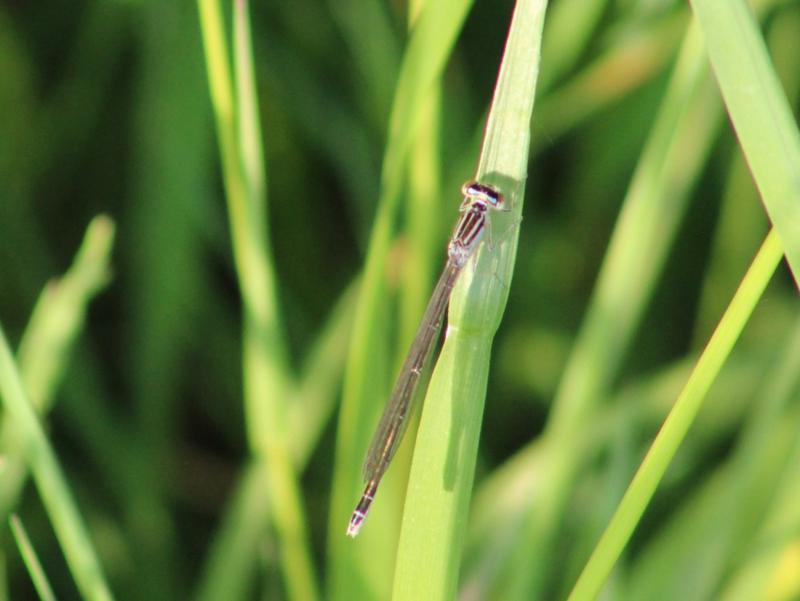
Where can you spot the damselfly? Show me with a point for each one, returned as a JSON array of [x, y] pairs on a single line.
[[470, 229]]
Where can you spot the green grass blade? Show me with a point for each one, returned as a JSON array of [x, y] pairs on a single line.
[[249, 123], [267, 380], [760, 113], [677, 423], [31, 560], [715, 527], [675, 151], [442, 472], [46, 345], [266, 377], [50, 481], [60, 314], [653, 208]]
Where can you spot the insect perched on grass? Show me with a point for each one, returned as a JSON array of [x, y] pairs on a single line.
[[479, 199]]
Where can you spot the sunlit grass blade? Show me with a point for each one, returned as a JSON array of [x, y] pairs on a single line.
[[764, 122], [266, 377], [53, 489], [440, 483], [266, 371], [31, 560], [639, 406], [60, 314], [656, 200], [677, 423], [715, 527], [45, 348]]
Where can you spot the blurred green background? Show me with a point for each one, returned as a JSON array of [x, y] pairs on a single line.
[[104, 109]]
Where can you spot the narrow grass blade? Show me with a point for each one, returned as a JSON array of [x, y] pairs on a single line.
[[249, 131], [31, 560], [266, 372], [266, 377], [639, 406], [60, 314], [440, 484], [677, 423], [656, 200], [45, 348], [713, 529], [50, 481], [760, 113]]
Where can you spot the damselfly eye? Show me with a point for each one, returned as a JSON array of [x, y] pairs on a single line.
[[483, 192]]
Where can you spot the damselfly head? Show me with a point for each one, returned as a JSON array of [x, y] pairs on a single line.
[[476, 191]]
